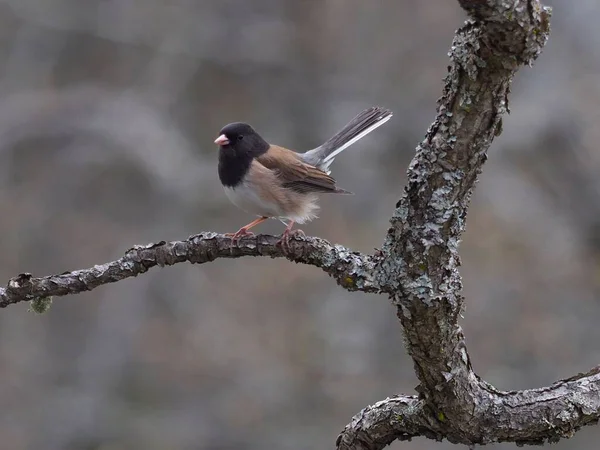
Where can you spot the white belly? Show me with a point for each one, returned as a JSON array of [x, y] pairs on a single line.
[[245, 198]]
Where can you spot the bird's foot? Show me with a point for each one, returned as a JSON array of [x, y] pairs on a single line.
[[284, 242], [235, 237]]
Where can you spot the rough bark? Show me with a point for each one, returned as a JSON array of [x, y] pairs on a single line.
[[418, 265], [351, 270]]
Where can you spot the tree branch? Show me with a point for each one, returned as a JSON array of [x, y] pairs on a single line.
[[421, 250], [418, 266], [547, 414], [352, 270], [377, 426], [531, 416], [420, 256]]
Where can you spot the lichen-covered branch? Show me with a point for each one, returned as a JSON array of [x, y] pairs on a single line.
[[421, 249], [418, 265], [422, 244], [399, 418], [352, 270], [524, 417], [543, 415], [420, 256]]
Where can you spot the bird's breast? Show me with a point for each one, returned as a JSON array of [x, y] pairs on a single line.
[[261, 193], [248, 198]]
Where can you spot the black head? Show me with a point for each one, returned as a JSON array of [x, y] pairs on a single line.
[[238, 145], [242, 138]]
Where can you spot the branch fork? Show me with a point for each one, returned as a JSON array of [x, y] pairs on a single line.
[[418, 263]]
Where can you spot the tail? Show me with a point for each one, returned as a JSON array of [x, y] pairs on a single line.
[[356, 129]]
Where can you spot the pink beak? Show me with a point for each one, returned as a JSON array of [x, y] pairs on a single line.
[[222, 140]]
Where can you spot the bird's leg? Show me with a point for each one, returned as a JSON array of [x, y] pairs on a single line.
[[284, 242], [244, 230]]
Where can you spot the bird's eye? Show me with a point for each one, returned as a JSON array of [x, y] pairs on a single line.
[[240, 137]]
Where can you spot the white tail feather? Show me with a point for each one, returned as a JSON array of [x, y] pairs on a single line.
[[329, 158]]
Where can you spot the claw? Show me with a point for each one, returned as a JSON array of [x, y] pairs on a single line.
[[284, 242], [242, 232]]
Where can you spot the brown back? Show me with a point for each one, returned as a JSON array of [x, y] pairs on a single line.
[[296, 174]]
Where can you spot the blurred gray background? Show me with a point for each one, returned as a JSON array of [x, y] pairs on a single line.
[[108, 110]]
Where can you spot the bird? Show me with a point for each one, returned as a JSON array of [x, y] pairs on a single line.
[[273, 182]]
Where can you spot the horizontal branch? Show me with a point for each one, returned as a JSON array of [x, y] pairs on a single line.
[[543, 415], [533, 416], [352, 270]]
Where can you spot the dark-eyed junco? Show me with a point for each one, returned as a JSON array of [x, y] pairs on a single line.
[[273, 182]]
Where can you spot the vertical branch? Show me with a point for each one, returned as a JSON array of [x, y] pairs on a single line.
[[421, 249]]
